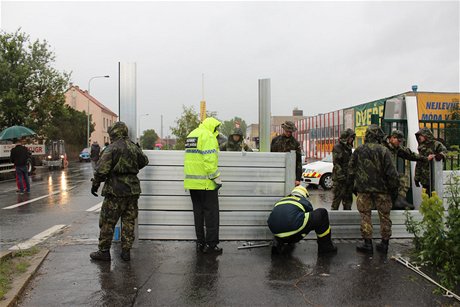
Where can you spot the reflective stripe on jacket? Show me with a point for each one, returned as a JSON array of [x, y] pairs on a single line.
[[201, 156], [289, 216]]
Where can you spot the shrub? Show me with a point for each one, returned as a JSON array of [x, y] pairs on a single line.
[[437, 235]]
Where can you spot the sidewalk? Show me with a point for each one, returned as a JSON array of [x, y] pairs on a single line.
[[171, 273]]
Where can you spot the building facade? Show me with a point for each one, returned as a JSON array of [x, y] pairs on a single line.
[[100, 116]]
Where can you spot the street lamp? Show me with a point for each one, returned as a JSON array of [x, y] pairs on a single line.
[[139, 127], [89, 92]]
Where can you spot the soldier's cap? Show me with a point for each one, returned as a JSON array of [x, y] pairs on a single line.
[[300, 191], [289, 126], [398, 134]]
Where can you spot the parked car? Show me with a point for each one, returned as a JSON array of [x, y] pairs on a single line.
[[319, 173], [85, 155]]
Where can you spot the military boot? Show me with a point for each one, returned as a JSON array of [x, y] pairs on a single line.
[[277, 246], [325, 245], [402, 204], [382, 246], [125, 254], [100, 255], [365, 247]]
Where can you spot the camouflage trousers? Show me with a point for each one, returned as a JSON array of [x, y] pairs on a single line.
[[382, 202], [403, 185], [114, 208], [341, 195]]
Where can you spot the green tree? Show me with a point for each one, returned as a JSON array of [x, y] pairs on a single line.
[[229, 125], [149, 139], [31, 90], [189, 120], [62, 126]]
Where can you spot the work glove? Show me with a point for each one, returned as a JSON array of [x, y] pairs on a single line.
[[439, 157], [94, 187], [417, 183]]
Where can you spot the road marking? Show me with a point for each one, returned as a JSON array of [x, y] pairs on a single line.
[[37, 198], [95, 208], [42, 236]]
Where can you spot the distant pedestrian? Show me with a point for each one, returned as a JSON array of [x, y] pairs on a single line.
[[375, 181], [431, 149], [118, 168], [293, 217], [19, 156], [285, 143], [95, 153], [202, 179], [341, 154], [397, 150], [235, 142]]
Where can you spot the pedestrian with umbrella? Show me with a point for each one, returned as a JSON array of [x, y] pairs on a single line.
[[19, 154]]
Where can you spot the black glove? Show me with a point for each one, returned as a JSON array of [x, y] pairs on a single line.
[[439, 157], [218, 182], [417, 183], [94, 187]]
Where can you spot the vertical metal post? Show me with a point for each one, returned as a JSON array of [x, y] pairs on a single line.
[[128, 110], [438, 178], [290, 172], [264, 115]]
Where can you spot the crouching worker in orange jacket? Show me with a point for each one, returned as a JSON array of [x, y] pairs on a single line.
[[293, 218]]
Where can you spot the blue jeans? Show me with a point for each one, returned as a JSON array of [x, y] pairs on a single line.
[[23, 175]]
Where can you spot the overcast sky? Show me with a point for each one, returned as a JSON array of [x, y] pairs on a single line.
[[320, 56]]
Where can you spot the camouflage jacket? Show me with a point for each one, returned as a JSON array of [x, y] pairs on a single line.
[[119, 164], [231, 145], [281, 143], [341, 154], [402, 152], [430, 146], [371, 169]]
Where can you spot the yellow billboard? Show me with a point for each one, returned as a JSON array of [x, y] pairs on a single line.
[[436, 106]]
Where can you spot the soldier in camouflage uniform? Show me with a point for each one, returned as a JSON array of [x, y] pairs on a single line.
[[397, 150], [375, 180], [341, 154], [118, 168], [285, 143], [235, 142], [430, 148]]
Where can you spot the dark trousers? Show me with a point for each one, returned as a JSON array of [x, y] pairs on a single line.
[[22, 176], [318, 221], [206, 213]]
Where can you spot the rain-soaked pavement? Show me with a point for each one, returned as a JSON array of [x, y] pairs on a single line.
[[173, 274]]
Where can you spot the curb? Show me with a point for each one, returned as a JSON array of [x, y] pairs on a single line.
[[5, 255], [19, 284]]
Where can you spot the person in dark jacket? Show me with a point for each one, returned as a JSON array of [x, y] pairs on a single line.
[[293, 217], [95, 153], [118, 168], [235, 142], [19, 156], [285, 143], [341, 154], [431, 149], [375, 181]]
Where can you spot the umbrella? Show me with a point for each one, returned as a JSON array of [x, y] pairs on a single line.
[[15, 132]]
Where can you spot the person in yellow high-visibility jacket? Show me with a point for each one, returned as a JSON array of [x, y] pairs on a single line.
[[293, 217], [202, 178]]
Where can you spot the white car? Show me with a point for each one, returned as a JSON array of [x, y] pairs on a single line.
[[319, 173]]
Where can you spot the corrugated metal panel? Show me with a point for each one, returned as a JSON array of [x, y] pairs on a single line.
[[165, 208], [263, 189], [184, 203]]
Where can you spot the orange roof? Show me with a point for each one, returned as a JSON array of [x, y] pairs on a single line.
[[94, 100]]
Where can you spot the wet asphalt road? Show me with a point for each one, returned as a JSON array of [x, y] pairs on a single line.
[[171, 273]]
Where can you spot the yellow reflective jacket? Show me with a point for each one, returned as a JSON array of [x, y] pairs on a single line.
[[201, 156]]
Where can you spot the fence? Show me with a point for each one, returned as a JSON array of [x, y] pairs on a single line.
[[252, 183]]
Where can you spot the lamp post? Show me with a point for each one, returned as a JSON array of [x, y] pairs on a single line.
[[139, 128], [89, 92]]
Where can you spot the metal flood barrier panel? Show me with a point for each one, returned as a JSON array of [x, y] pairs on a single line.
[[252, 183]]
